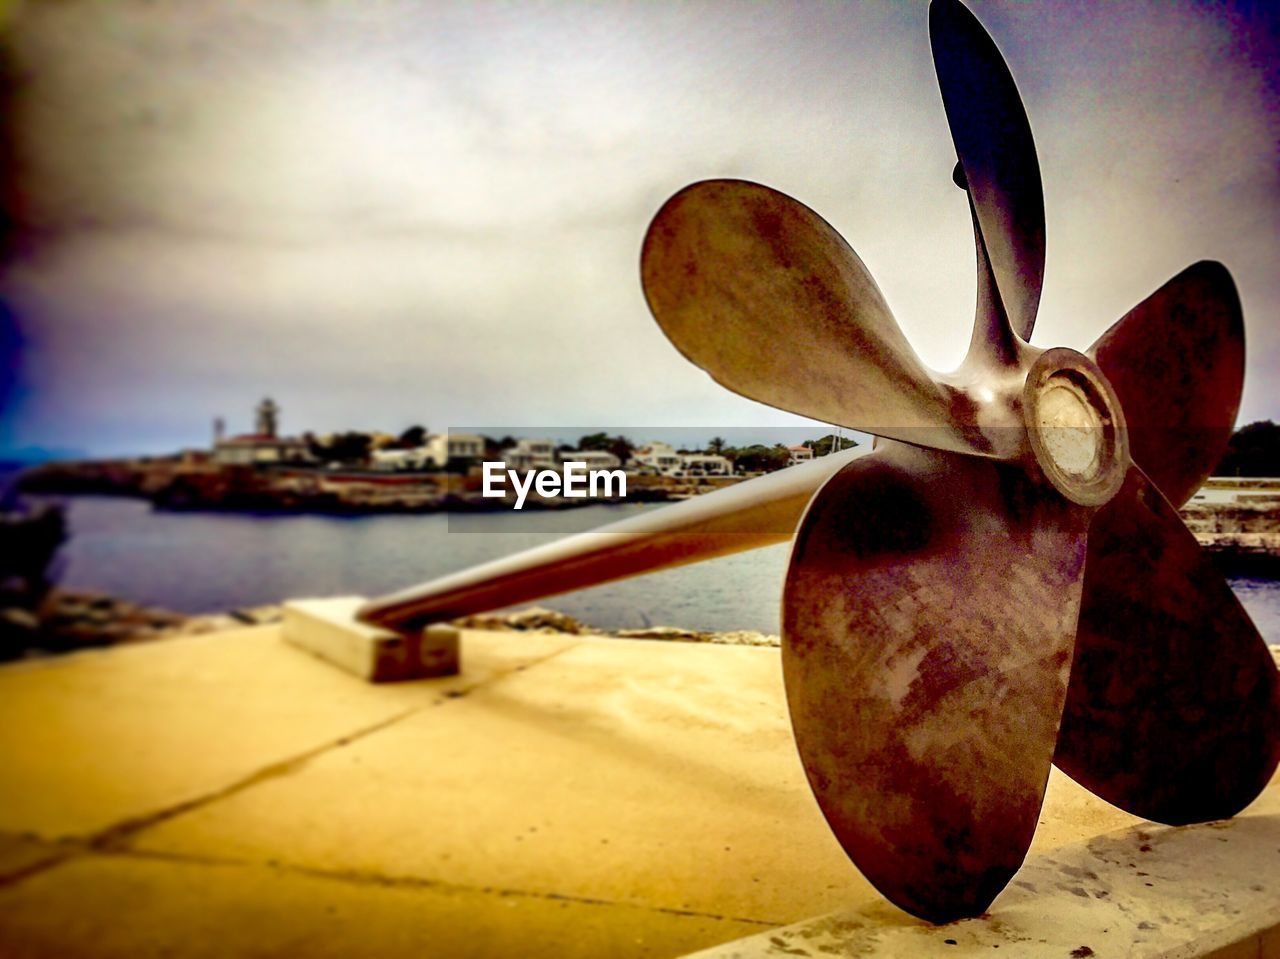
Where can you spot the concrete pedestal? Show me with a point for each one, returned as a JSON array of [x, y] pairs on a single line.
[[328, 628]]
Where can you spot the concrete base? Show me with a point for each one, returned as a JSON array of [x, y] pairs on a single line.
[[1146, 892], [328, 629]]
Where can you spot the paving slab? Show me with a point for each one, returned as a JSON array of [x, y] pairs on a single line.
[[99, 738], [652, 773], [562, 796], [126, 908]]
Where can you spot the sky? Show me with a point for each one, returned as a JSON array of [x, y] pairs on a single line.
[[389, 213]]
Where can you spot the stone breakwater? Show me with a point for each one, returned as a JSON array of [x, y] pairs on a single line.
[[67, 621], [536, 619], [1243, 535]]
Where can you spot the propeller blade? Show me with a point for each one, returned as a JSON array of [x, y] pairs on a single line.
[[1173, 712], [997, 156], [1176, 360], [928, 617], [763, 294]]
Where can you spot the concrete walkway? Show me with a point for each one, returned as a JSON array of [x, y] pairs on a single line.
[[228, 795]]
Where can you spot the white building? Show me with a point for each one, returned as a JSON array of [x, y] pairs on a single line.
[[595, 459], [417, 458], [443, 447], [662, 458], [799, 454], [434, 454], [706, 464], [657, 456], [531, 455]]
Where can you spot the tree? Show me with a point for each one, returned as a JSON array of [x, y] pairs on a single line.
[[1253, 450], [716, 446], [412, 438], [619, 446], [758, 458], [348, 447], [828, 443]]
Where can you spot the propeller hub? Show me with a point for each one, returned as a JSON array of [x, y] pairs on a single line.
[[1076, 427]]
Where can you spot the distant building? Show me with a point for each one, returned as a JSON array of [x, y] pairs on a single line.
[[434, 454], [705, 464], [799, 454], [658, 457], [662, 458], [266, 418], [263, 446], [443, 447], [530, 455], [417, 458], [595, 459]]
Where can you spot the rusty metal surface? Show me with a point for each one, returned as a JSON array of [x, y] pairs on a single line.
[[993, 141], [928, 618], [1177, 362], [762, 293], [1173, 711]]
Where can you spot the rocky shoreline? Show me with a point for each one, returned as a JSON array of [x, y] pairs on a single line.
[[69, 620], [1243, 537], [73, 621], [536, 619]]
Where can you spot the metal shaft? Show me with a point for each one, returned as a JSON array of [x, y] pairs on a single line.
[[758, 512]]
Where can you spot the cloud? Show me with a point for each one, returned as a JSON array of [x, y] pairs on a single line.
[[397, 212]]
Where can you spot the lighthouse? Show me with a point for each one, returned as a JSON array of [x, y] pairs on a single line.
[[266, 419]]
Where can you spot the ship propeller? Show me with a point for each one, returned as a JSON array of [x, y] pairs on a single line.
[[1004, 583]]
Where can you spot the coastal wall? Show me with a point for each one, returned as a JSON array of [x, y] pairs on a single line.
[[174, 484]]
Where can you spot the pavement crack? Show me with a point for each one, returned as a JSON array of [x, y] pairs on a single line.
[[120, 833], [365, 878], [117, 838]]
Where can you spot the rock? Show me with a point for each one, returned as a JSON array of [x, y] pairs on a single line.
[[19, 632], [258, 615], [19, 619], [487, 622], [544, 620], [534, 619], [664, 632], [199, 625], [745, 637], [539, 619]]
